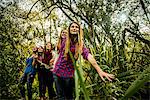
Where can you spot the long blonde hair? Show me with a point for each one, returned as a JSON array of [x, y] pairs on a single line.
[[78, 45], [60, 40]]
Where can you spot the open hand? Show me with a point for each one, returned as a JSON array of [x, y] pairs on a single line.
[[107, 75]]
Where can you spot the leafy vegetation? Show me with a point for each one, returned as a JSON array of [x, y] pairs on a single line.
[[116, 32]]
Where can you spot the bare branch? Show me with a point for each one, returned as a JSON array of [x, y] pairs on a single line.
[[138, 37], [50, 12], [32, 8], [66, 13], [49, 6], [72, 11], [144, 8]]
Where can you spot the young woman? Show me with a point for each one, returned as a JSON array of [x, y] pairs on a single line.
[[48, 59], [45, 76], [62, 37], [28, 76], [41, 72], [64, 69]]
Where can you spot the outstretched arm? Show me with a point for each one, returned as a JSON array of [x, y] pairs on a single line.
[[101, 73]]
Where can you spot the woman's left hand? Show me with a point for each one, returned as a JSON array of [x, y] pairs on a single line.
[[107, 75]]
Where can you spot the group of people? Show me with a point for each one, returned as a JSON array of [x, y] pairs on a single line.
[[62, 74], [41, 62]]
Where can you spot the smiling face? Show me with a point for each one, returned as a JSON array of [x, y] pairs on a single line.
[[34, 49], [63, 33], [48, 46], [40, 49], [74, 28]]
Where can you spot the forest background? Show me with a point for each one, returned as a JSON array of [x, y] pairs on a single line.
[[117, 32]]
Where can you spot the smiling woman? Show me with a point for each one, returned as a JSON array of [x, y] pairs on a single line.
[[74, 28], [64, 68]]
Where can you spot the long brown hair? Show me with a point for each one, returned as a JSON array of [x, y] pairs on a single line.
[[78, 45]]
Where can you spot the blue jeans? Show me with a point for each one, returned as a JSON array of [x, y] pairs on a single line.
[[64, 88], [29, 78]]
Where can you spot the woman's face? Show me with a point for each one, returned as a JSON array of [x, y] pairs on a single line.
[[63, 34], [74, 28], [34, 49], [48, 46], [40, 49]]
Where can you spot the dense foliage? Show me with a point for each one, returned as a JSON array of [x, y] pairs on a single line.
[[116, 32]]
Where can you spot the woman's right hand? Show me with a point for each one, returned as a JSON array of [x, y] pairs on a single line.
[[35, 56]]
